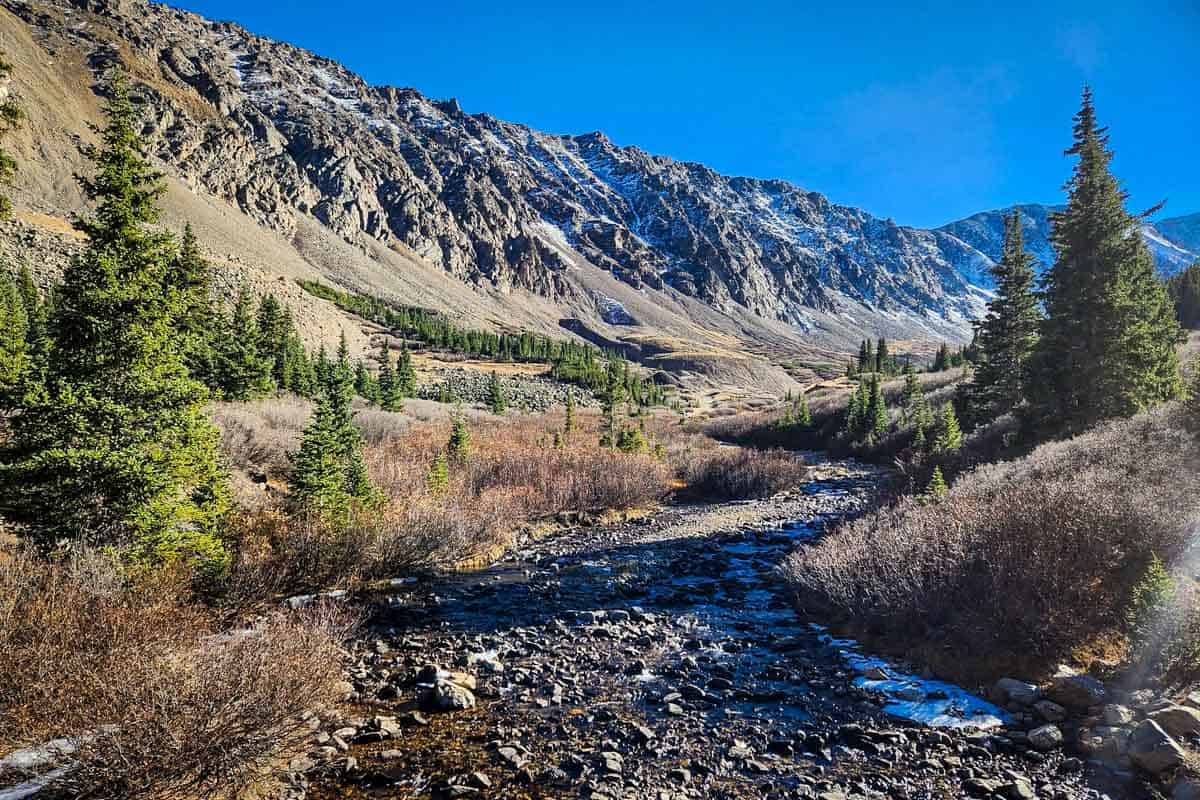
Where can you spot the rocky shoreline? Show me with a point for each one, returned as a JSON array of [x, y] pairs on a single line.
[[658, 658]]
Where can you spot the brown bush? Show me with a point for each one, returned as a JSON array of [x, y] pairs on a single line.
[[1023, 561], [514, 474], [156, 704], [258, 436], [735, 473]]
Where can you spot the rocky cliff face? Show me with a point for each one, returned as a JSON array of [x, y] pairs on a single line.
[[288, 135], [1172, 242], [296, 141]]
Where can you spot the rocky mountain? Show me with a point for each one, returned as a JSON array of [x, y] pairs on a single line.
[[290, 165], [1174, 243]]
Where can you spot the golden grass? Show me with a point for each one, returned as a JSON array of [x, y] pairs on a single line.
[[49, 223]]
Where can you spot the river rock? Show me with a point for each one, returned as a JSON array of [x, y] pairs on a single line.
[[447, 695], [1118, 715], [1012, 690], [1076, 690], [1177, 720], [1050, 711], [1046, 738], [1153, 750]]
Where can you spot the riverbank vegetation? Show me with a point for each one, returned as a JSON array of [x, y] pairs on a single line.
[[1067, 530]]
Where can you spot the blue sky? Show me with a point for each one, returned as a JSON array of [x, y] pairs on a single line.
[[924, 113]]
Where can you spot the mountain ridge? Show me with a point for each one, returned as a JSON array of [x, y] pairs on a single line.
[[381, 189]]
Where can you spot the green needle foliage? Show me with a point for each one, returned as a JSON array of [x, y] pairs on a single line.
[[496, 396], [15, 361], [1185, 293], [1007, 335], [947, 433], [459, 445], [1107, 346], [569, 422], [115, 448], [937, 489], [10, 117], [197, 320], [245, 373], [329, 477]]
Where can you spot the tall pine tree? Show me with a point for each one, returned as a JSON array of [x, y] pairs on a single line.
[[1107, 345], [1007, 335], [116, 448], [197, 320]]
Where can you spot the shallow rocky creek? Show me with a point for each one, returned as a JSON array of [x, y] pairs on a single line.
[[658, 659]]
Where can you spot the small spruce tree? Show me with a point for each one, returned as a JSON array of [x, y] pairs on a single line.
[[803, 413], [877, 415], [569, 421], [406, 375], [196, 321], [15, 358], [937, 489], [244, 371], [438, 477], [459, 445], [497, 400], [948, 434], [329, 475]]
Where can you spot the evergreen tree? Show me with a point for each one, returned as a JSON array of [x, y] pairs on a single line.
[[116, 448], [941, 361], [632, 440], [459, 445], [329, 475], [37, 315], [913, 396], [1107, 345], [244, 371], [195, 323], [877, 421], [866, 356], [15, 360], [937, 489], [569, 421], [365, 384], [496, 396], [1007, 335], [10, 117], [883, 358], [297, 373], [1185, 292], [612, 398], [275, 331], [391, 395], [406, 376], [858, 410], [803, 414], [947, 433], [438, 477]]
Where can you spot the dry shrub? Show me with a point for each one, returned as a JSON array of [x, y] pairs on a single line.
[[735, 473], [1023, 561], [157, 705], [514, 474], [258, 436]]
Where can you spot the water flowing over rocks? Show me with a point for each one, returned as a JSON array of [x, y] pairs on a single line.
[[658, 658]]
